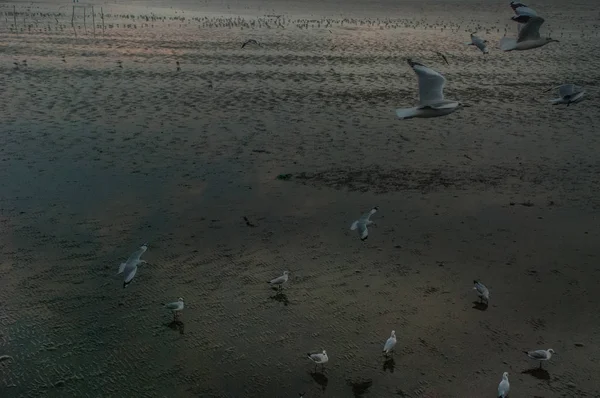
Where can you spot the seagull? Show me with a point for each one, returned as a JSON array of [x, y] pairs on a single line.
[[129, 267], [251, 41], [528, 37], [569, 94], [178, 66], [431, 95], [362, 222], [280, 280], [482, 291], [504, 386], [479, 43], [319, 358], [176, 307], [120, 64], [522, 12], [540, 355], [390, 344]]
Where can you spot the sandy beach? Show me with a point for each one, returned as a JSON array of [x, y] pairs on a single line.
[[99, 156]]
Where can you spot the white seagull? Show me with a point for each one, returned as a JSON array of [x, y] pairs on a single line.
[[522, 12], [431, 95], [390, 344], [482, 292], [176, 307], [280, 280], [319, 358], [528, 37], [129, 267], [569, 94], [540, 355], [504, 386], [479, 43], [362, 222]]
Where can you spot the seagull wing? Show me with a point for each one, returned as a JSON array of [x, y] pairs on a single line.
[[130, 270], [318, 358], [566, 90], [363, 232], [365, 217], [538, 354], [503, 388], [525, 11], [278, 280], [531, 30], [389, 344], [173, 306], [431, 84]]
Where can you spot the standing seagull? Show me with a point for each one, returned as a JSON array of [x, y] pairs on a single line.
[[482, 292], [390, 344], [479, 43], [569, 94], [431, 95], [129, 267], [504, 386], [362, 222], [528, 38], [522, 13], [319, 358], [280, 280], [176, 307], [540, 355]]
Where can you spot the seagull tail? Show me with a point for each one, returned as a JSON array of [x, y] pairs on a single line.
[[508, 44], [406, 113]]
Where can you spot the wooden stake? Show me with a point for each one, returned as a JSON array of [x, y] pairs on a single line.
[[72, 21], [94, 20], [84, 27], [15, 16], [102, 15]]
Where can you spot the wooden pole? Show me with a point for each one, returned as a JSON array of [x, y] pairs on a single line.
[[84, 27], [15, 17], [102, 15], [94, 20], [73, 21]]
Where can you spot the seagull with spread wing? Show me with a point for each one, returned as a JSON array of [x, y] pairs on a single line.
[[528, 37], [361, 224]]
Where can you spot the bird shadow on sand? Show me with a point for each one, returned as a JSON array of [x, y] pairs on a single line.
[[320, 379], [389, 364], [176, 325], [478, 305], [280, 297], [538, 373], [360, 387]]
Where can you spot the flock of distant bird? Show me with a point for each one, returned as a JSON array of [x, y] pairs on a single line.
[[431, 83]]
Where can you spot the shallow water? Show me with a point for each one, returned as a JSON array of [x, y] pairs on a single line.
[[98, 159]]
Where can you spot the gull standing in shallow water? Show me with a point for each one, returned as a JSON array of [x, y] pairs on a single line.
[[482, 292], [540, 355], [431, 95], [176, 307], [504, 386], [362, 222], [390, 344], [569, 94], [129, 267], [528, 37], [319, 359], [280, 280], [479, 43]]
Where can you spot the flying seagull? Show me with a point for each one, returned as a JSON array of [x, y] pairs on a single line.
[[129, 267], [504, 386], [528, 37], [482, 292], [251, 41], [362, 222], [569, 94], [479, 43], [390, 344], [176, 307], [280, 280], [522, 12], [431, 95], [540, 355], [319, 359]]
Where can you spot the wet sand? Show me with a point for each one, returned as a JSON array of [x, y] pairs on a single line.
[[97, 159]]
